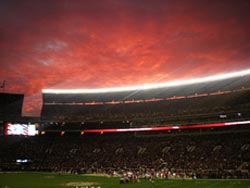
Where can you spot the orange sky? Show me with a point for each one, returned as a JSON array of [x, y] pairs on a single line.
[[106, 43]]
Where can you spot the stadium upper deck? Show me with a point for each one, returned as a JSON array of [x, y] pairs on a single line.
[[147, 92], [100, 104]]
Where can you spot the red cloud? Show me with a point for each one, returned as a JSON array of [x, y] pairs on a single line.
[[89, 44]]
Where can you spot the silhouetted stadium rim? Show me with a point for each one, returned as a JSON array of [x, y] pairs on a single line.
[[151, 86]]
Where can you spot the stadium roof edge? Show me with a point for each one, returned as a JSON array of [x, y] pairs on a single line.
[[150, 86]]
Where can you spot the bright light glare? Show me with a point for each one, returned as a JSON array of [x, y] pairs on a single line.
[[20, 129], [151, 86]]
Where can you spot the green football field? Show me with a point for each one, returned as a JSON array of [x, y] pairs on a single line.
[[53, 180]]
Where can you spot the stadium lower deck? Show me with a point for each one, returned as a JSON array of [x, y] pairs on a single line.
[[216, 153]]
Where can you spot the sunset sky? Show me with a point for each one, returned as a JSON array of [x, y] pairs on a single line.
[[112, 43]]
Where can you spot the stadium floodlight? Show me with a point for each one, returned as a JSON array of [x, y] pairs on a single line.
[[151, 86]]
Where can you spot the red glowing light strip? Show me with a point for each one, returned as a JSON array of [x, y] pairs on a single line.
[[166, 128]]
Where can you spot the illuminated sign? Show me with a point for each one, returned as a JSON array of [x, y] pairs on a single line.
[[166, 128], [20, 129]]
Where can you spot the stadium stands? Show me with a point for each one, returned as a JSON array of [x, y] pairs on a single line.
[[197, 103], [217, 152]]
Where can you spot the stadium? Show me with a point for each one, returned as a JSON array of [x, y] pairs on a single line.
[[193, 133]]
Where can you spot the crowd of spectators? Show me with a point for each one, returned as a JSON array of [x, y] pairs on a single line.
[[202, 156]]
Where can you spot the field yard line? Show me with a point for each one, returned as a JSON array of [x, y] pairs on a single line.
[[175, 185], [230, 185], [213, 185]]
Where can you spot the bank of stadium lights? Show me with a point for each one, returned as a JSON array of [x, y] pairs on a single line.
[[151, 86]]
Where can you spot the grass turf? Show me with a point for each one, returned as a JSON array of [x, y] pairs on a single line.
[[54, 180]]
